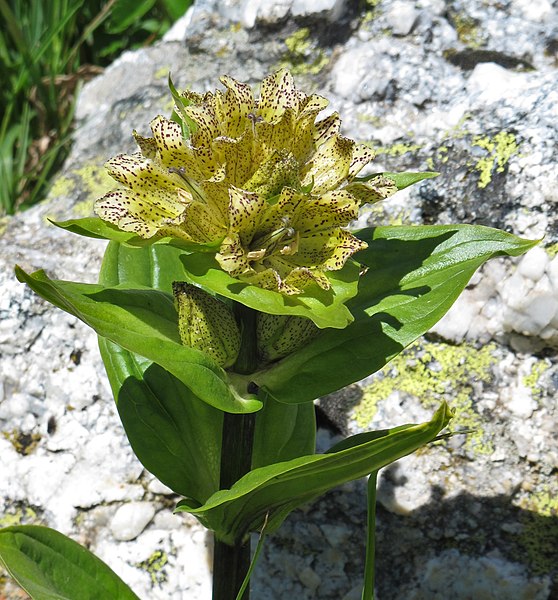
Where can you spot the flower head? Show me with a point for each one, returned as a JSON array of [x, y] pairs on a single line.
[[262, 179]]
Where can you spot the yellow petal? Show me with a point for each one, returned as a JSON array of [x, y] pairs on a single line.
[[378, 188], [232, 256], [245, 210], [304, 142], [329, 167], [326, 128], [285, 208], [238, 157], [266, 279], [301, 277], [277, 93], [277, 135], [362, 155], [233, 107], [140, 212], [280, 170], [172, 149], [327, 250], [333, 209], [139, 173], [148, 146], [201, 224]]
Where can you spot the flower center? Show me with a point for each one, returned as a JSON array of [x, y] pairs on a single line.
[[283, 240]]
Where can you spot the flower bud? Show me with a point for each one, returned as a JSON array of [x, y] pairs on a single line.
[[207, 324], [281, 335]]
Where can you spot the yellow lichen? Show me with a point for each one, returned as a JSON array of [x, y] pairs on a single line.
[[467, 31], [155, 566], [531, 380], [162, 73], [433, 372], [499, 149], [23, 443], [87, 182], [540, 530], [302, 57], [24, 515]]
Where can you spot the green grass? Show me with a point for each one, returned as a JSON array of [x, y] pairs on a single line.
[[47, 49]]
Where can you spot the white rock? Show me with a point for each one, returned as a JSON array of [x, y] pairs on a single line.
[[131, 519], [402, 17], [493, 83], [538, 11], [533, 264], [333, 8]]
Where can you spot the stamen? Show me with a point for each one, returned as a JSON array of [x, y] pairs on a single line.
[[190, 185], [255, 119]]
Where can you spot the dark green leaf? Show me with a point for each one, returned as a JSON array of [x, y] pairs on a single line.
[[414, 275], [325, 308], [143, 321], [282, 433], [175, 435], [97, 228], [273, 491], [126, 13], [51, 566]]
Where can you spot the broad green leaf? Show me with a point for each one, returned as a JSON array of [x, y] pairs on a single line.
[[282, 433], [401, 180], [51, 566], [275, 490], [143, 321], [414, 275], [94, 227], [325, 308], [175, 435]]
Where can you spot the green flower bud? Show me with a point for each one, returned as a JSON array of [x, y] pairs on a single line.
[[207, 324], [281, 335]]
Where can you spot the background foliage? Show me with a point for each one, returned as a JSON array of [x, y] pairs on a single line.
[[46, 50]]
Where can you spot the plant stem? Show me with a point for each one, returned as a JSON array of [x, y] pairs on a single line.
[[369, 567], [231, 563]]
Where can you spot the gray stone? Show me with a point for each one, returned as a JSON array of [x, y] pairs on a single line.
[[463, 516]]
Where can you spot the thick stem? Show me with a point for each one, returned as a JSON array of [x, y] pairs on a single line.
[[231, 563]]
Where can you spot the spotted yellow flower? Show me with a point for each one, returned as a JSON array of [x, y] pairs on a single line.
[[265, 181]]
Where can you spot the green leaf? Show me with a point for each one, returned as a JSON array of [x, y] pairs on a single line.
[[143, 321], [126, 13], [94, 227], [401, 180], [325, 307], [51, 566], [414, 275], [282, 433], [175, 435], [156, 409], [275, 490]]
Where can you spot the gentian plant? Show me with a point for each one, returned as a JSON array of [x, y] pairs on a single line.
[[230, 297]]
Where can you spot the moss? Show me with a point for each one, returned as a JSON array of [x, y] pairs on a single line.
[[302, 57], [531, 380], [499, 149], [540, 530], [155, 565], [431, 372], [23, 443]]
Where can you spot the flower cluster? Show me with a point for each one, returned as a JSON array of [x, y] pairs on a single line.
[[265, 181]]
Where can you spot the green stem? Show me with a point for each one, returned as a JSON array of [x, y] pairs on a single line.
[[231, 564], [368, 591]]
